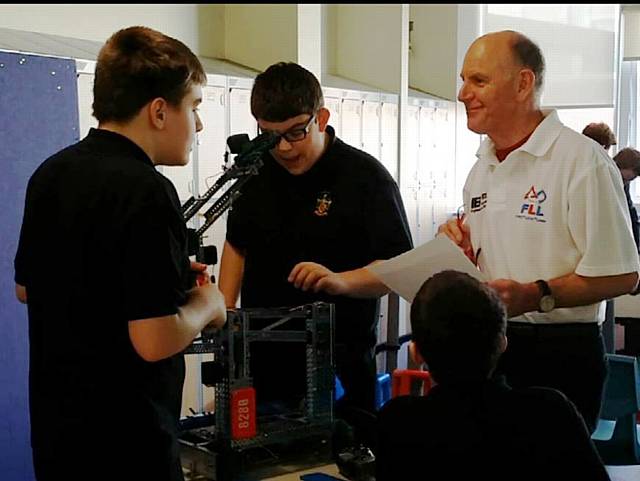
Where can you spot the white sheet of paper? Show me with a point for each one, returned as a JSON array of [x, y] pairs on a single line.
[[405, 274]]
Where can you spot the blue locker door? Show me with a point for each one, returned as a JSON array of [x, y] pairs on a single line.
[[38, 116]]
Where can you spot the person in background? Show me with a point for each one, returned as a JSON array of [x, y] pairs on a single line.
[[102, 265], [628, 161], [472, 424], [320, 201], [601, 133]]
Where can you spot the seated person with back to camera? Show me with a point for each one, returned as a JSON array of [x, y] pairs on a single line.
[[471, 423]]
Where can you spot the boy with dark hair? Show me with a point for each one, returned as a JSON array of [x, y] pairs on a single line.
[[319, 200], [472, 425], [103, 267]]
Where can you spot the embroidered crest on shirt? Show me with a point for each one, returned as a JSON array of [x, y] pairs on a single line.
[[323, 203], [531, 208]]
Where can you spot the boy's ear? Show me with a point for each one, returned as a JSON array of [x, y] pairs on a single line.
[[157, 110], [415, 354], [323, 118]]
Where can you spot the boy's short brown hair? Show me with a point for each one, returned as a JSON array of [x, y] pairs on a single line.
[[455, 322], [285, 90], [137, 65]]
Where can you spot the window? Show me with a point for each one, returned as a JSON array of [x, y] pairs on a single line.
[[578, 118], [563, 31]]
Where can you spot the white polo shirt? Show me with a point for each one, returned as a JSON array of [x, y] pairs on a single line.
[[554, 206]]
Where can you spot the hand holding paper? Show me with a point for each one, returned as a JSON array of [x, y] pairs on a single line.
[[404, 274]]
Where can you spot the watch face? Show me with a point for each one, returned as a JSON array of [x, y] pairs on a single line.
[[547, 303]]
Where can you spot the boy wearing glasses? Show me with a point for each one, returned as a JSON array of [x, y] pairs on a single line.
[[320, 200]]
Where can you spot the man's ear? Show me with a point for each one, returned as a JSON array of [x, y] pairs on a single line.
[[157, 110], [526, 83], [415, 354], [323, 118]]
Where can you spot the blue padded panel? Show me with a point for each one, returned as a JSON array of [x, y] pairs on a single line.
[[38, 116]]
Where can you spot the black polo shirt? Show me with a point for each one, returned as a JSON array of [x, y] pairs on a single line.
[[102, 243], [344, 212], [485, 431]]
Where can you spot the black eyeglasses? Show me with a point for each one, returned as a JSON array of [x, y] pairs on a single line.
[[293, 135]]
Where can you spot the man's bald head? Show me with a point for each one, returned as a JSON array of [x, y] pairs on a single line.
[[524, 52]]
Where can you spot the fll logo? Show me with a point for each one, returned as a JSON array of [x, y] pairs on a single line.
[[531, 208]]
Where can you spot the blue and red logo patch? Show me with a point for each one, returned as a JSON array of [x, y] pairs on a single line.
[[531, 208]]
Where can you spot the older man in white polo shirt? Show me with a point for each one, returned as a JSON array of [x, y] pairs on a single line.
[[546, 216], [546, 220]]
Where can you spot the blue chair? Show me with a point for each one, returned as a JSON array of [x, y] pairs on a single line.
[[338, 389], [383, 389], [616, 436]]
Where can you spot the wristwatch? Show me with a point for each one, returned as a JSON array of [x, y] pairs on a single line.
[[547, 301]]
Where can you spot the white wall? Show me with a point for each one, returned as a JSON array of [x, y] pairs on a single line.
[[432, 60], [329, 48], [467, 142], [260, 35], [310, 37], [98, 22], [372, 29], [211, 25]]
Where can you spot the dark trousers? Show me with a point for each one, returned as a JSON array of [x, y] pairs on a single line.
[[90, 458], [356, 368], [567, 357]]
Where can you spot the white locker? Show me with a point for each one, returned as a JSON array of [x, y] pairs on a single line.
[[389, 137], [426, 179], [371, 128], [240, 119], [212, 139], [352, 122], [409, 170], [333, 105], [444, 166]]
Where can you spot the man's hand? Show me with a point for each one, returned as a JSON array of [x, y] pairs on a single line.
[[517, 297], [202, 276], [312, 276], [458, 231]]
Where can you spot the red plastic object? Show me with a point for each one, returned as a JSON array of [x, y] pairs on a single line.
[[243, 413], [402, 379]]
